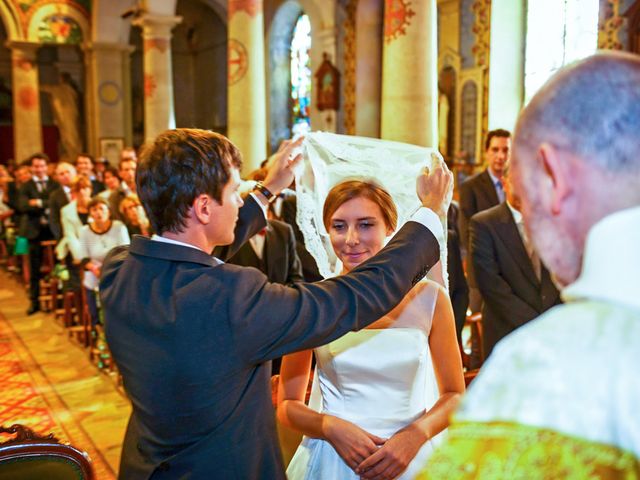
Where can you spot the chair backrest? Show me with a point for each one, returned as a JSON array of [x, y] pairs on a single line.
[[31, 457]]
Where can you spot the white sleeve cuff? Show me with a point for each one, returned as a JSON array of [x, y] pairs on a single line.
[[429, 219], [262, 205]]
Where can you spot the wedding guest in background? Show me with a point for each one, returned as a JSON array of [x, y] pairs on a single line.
[[127, 174], [65, 175], [515, 286], [84, 166], [133, 216], [96, 240], [111, 182], [34, 224]]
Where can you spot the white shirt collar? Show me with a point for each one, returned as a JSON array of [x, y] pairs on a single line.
[[38, 179], [494, 179], [158, 238], [611, 261], [517, 216]]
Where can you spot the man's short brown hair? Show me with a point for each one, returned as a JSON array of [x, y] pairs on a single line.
[[178, 166]]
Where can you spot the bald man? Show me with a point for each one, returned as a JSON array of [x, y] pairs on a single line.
[[559, 397]]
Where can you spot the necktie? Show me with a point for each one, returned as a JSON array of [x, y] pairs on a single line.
[[40, 185], [499, 191]]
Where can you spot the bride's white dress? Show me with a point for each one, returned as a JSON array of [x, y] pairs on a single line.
[[379, 379]]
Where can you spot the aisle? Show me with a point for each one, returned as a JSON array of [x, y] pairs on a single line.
[[49, 384]]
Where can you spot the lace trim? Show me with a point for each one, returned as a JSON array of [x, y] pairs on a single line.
[[513, 451]]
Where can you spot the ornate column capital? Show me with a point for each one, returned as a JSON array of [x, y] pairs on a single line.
[[26, 50], [156, 26]]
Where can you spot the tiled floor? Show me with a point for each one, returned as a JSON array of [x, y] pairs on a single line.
[[84, 402]]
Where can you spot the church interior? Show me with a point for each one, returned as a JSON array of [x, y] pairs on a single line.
[[99, 78]]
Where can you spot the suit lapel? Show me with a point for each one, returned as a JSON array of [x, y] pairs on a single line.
[[489, 188], [511, 236]]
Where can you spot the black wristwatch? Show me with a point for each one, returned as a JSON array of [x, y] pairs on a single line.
[[265, 191]]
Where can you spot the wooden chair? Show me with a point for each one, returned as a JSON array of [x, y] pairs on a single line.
[[29, 456]]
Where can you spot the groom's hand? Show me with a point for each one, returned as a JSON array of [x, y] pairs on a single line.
[[433, 187], [281, 164]]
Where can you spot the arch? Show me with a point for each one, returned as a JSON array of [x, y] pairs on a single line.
[[199, 62], [279, 105], [68, 12], [11, 20]]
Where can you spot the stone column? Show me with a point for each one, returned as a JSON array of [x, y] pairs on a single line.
[[27, 126], [108, 111], [247, 117], [409, 72], [158, 75]]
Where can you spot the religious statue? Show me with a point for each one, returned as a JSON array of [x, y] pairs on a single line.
[[443, 124], [328, 85], [66, 116]]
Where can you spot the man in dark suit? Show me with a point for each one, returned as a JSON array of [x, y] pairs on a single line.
[[485, 189], [514, 284], [273, 252], [84, 166], [482, 191], [65, 176], [191, 335], [34, 224], [127, 173]]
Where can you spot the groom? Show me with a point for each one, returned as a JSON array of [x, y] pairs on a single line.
[[191, 334]]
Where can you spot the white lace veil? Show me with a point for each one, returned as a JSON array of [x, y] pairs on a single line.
[[329, 159]]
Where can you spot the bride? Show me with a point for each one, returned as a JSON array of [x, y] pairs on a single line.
[[385, 391]]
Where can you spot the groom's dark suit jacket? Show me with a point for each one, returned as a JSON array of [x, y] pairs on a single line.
[[190, 338], [512, 293]]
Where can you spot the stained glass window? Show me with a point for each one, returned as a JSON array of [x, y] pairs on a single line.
[[558, 32], [301, 76]]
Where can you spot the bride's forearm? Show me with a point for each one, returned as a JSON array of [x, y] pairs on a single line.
[[437, 418], [296, 415]]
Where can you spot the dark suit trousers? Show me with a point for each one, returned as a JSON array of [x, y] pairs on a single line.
[[35, 262]]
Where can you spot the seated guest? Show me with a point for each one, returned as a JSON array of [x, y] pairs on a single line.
[[73, 216], [65, 174], [84, 166], [96, 240], [514, 284], [133, 216], [127, 173], [100, 166], [111, 181]]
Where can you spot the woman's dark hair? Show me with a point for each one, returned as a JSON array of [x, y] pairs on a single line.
[[178, 166], [350, 189], [98, 201]]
